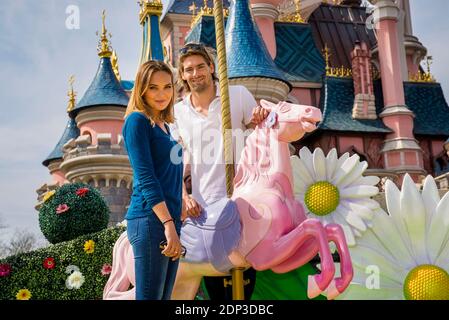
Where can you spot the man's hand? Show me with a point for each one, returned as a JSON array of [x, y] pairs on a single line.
[[190, 207], [259, 115]]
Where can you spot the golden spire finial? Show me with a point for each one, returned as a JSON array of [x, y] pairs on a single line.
[[114, 62], [327, 56], [104, 50], [149, 8], [71, 94]]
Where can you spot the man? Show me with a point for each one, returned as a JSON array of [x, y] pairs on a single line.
[[198, 123]]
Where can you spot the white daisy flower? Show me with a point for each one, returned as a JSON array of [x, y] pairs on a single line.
[[75, 280], [334, 190], [71, 268], [405, 255]]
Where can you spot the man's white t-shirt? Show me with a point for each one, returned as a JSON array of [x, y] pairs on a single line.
[[202, 138]]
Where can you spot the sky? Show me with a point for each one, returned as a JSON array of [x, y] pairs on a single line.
[[41, 46]]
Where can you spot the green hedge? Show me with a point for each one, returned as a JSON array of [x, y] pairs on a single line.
[[84, 213], [28, 272]]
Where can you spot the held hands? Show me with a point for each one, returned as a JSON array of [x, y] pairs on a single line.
[[259, 115], [190, 207], [173, 248]]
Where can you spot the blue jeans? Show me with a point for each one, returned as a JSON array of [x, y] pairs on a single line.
[[155, 273]]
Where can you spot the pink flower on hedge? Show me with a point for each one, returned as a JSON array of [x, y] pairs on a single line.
[[62, 208], [106, 269], [82, 192], [49, 263], [5, 270]]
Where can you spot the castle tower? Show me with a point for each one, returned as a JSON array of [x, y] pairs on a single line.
[[414, 49], [55, 158], [149, 15], [401, 152], [249, 62], [265, 13], [364, 100], [98, 156]]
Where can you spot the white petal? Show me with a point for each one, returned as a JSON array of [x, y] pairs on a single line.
[[368, 203], [365, 256], [362, 211], [369, 180], [362, 274], [414, 216], [319, 164], [356, 232], [439, 229], [387, 234], [338, 218], [345, 156], [361, 292], [354, 220], [301, 176], [306, 157], [345, 169], [430, 197], [357, 192], [443, 259], [331, 164], [392, 197], [354, 175]]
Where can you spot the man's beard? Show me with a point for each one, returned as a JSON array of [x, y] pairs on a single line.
[[201, 86]]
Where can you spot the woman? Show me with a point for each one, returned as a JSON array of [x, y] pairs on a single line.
[[154, 214]]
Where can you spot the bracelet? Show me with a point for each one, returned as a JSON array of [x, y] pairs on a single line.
[[168, 220]]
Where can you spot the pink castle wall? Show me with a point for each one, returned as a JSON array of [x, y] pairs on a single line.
[[346, 143], [114, 127], [59, 177]]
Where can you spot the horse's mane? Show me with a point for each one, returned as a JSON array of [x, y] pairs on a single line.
[[255, 159]]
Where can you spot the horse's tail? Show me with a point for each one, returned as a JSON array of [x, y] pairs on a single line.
[[122, 274]]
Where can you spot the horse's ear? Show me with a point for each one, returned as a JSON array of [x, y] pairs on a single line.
[[267, 104]]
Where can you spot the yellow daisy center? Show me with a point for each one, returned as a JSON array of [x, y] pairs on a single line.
[[427, 282], [322, 198]]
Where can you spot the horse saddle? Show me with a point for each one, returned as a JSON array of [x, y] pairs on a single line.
[[213, 235], [216, 216]]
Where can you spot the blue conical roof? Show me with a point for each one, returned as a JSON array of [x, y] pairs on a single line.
[[247, 55], [105, 89], [71, 131]]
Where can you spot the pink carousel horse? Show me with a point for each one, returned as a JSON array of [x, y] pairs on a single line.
[[262, 225]]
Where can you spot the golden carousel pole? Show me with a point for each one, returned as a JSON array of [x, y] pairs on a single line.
[[237, 273]]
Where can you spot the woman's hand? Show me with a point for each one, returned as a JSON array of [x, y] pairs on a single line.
[[173, 248], [190, 207]]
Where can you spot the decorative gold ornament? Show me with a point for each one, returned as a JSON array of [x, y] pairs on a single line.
[[114, 62], [339, 72], [295, 16], [205, 10], [104, 50], [149, 8], [423, 76], [71, 94]]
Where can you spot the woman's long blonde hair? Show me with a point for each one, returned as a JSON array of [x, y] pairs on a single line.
[[137, 101]]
